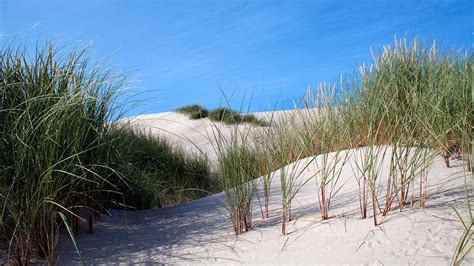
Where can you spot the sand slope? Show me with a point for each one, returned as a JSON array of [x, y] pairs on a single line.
[[195, 136], [200, 231]]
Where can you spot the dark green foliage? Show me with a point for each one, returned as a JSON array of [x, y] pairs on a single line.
[[225, 115], [54, 113], [229, 116], [193, 111], [248, 118], [157, 174]]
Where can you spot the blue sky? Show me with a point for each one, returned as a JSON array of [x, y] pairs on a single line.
[[183, 52]]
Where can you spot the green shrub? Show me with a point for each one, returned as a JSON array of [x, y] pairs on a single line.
[[229, 116], [225, 115], [252, 119], [193, 111]]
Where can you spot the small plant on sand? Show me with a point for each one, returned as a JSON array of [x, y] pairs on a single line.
[[237, 172], [193, 111], [266, 169], [369, 118], [289, 150]]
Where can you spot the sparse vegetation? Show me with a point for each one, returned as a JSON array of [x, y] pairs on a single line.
[[252, 119], [414, 99]]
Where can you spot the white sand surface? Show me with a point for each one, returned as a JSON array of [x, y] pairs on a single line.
[[201, 232]]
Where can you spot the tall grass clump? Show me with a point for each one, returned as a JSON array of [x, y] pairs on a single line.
[[237, 170], [322, 127], [225, 115], [429, 108], [288, 148], [464, 245], [55, 110], [193, 111], [266, 166], [229, 116], [157, 173], [66, 157]]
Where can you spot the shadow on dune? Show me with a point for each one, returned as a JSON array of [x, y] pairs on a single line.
[[116, 239]]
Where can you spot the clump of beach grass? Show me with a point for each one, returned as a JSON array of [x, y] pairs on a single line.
[[237, 171], [55, 111], [415, 97], [225, 115], [266, 169], [65, 157], [288, 150], [193, 111], [157, 173], [324, 121], [229, 116], [411, 105]]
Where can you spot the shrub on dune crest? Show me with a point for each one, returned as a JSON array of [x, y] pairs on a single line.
[[229, 116], [225, 115], [193, 111], [252, 119]]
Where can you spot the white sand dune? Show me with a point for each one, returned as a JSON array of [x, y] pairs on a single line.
[[196, 136], [201, 232]]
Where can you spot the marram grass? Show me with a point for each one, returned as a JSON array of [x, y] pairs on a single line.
[[55, 110], [413, 99], [65, 157]]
